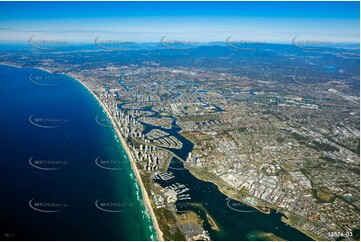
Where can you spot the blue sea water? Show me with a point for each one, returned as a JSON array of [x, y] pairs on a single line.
[[64, 174]]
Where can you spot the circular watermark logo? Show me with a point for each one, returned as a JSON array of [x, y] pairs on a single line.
[[47, 122], [178, 44], [47, 165], [103, 121], [177, 165], [179, 207], [113, 165], [243, 44], [176, 168], [9, 235], [112, 207], [310, 45], [47, 207], [112, 44], [239, 206], [307, 79], [46, 44], [46, 80]]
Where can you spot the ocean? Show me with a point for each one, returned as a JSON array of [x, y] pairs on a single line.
[[64, 174]]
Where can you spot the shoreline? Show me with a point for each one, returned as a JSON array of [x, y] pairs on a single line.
[[286, 221], [10, 64], [145, 196], [227, 195]]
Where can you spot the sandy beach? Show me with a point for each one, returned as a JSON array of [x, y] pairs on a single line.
[[9, 64], [132, 162], [126, 148]]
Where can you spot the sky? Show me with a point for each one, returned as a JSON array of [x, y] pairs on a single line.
[[274, 22]]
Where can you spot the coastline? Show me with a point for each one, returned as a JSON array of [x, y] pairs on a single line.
[[226, 194], [283, 219], [145, 196], [312, 236], [10, 64]]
